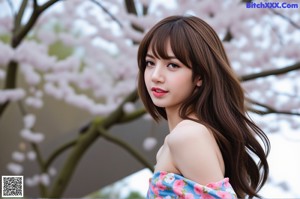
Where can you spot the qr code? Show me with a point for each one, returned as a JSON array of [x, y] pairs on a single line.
[[12, 186]]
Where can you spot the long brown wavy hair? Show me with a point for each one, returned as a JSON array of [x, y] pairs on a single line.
[[219, 103]]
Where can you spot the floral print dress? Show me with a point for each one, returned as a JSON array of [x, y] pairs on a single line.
[[165, 185]]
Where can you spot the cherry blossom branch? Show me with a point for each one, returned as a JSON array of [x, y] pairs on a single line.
[[145, 10], [107, 12], [279, 36], [22, 31], [260, 112], [37, 11], [40, 161], [48, 4], [18, 35], [131, 9], [84, 141], [126, 147], [118, 114], [34, 146], [269, 109], [228, 37], [280, 71], [20, 14], [10, 82], [132, 116], [57, 152], [285, 18], [130, 6]]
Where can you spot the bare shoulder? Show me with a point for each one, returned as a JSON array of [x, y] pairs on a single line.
[[189, 131], [195, 153]]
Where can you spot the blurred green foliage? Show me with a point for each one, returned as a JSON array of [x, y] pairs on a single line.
[[60, 50]]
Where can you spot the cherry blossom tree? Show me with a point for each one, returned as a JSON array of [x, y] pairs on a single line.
[[84, 53]]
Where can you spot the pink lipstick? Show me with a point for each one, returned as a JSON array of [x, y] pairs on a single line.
[[158, 92]]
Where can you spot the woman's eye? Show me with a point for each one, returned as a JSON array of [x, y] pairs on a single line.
[[149, 63], [171, 65]]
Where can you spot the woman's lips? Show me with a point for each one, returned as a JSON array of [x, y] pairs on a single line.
[[158, 92]]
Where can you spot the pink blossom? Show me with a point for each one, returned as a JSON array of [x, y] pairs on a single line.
[[29, 121], [18, 156], [71, 63], [52, 90], [132, 34], [34, 54], [31, 76], [81, 101], [224, 194], [215, 185], [149, 143], [31, 136], [101, 109], [31, 155], [178, 187], [147, 117], [30, 182], [15, 168], [68, 39], [6, 53], [159, 185], [44, 179], [129, 107], [226, 183], [188, 196], [33, 181], [198, 189], [46, 36], [34, 102], [11, 95], [162, 175], [207, 196], [6, 23]]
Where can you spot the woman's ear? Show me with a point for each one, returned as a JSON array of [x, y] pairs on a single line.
[[198, 81]]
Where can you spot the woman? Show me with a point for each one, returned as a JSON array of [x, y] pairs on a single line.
[[185, 77]]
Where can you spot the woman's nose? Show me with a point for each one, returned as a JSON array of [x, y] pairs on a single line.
[[157, 75]]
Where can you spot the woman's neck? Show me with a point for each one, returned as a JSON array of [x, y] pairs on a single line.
[[174, 118]]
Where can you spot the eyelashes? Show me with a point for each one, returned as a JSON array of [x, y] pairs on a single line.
[[149, 63], [171, 65]]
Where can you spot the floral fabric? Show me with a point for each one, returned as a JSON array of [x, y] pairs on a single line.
[[164, 185]]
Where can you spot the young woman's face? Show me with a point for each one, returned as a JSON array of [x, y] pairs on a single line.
[[168, 81]]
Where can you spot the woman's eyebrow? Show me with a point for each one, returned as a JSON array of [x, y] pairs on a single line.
[[171, 57], [168, 56], [150, 55]]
